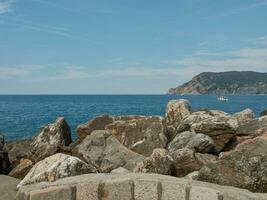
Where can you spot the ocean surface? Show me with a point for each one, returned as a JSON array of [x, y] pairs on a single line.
[[21, 116]]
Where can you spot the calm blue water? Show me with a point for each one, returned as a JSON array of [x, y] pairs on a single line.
[[22, 115]]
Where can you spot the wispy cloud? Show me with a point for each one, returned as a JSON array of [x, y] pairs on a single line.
[[242, 59], [21, 71], [259, 40], [5, 6]]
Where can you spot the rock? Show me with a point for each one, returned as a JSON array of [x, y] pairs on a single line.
[[8, 187], [254, 128], [220, 126], [56, 167], [17, 150], [186, 161], [244, 167], [97, 123], [244, 116], [192, 176], [45, 151], [58, 133], [120, 170], [103, 150], [263, 113], [140, 134], [198, 142], [21, 170], [176, 111], [4, 160], [159, 162]]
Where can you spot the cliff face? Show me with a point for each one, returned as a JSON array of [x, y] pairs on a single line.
[[245, 82]]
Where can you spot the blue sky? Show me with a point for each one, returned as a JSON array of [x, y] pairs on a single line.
[[125, 46]]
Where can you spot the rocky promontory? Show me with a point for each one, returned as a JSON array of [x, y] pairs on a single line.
[[185, 155], [224, 83]]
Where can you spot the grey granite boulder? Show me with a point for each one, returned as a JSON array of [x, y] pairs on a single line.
[[58, 133], [8, 187], [159, 162], [140, 134], [198, 142], [218, 125], [176, 111], [56, 167], [186, 161], [103, 150]]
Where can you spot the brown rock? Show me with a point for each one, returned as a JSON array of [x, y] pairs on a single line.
[[105, 152], [97, 123], [21, 170], [244, 167], [140, 134], [254, 128], [176, 111]]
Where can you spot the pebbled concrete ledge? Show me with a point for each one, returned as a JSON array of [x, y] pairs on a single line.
[[132, 187]]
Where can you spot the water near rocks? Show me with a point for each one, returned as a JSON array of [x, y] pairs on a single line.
[[22, 115]]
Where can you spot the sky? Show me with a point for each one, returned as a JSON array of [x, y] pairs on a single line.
[[125, 46]]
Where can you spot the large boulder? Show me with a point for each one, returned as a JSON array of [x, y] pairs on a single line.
[[254, 128], [97, 123], [244, 167], [103, 150], [17, 150], [159, 162], [140, 134], [244, 116], [220, 126], [4, 160], [56, 167], [58, 133], [176, 111], [198, 142], [21, 170], [186, 161]]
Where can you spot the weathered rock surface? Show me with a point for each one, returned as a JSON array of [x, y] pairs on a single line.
[[244, 167], [244, 116], [17, 150], [254, 128], [8, 187], [176, 111], [186, 161], [220, 126], [55, 167], [97, 123], [4, 160], [103, 150], [58, 133], [140, 134], [21, 170], [198, 142], [192, 176], [159, 162], [132, 186], [263, 113]]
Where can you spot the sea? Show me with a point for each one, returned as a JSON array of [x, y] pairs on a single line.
[[21, 116]]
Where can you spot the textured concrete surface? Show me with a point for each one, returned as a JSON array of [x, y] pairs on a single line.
[[8, 187], [132, 187]]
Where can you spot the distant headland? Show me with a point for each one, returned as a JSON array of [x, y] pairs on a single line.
[[224, 83]]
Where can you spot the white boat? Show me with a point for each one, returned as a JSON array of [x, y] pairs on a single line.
[[222, 98]]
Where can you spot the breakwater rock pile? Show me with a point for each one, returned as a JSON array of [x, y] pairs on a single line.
[[134, 157]]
